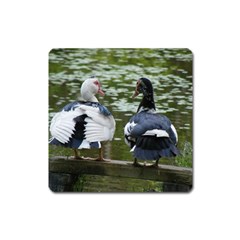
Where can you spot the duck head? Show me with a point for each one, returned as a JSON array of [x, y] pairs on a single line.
[[144, 86], [90, 88]]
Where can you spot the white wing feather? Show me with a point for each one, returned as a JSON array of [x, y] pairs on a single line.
[[156, 132], [175, 132], [98, 127], [127, 131], [63, 126]]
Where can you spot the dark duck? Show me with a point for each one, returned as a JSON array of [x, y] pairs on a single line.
[[149, 134], [84, 123]]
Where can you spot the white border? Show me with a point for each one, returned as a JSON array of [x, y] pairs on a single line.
[[29, 31]]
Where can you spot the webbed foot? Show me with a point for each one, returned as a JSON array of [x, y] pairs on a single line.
[[101, 159], [137, 164], [155, 165]]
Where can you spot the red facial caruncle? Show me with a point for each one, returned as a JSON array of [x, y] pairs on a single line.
[[100, 91]]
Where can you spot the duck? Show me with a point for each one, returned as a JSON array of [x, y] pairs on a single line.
[[85, 123], [149, 134]]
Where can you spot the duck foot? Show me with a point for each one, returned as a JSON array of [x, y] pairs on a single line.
[[76, 156], [102, 160], [155, 165], [100, 157], [137, 164], [79, 158]]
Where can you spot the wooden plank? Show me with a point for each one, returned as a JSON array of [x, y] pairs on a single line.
[[117, 168]]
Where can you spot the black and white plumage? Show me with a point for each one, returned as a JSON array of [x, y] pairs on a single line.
[[85, 123], [149, 134]]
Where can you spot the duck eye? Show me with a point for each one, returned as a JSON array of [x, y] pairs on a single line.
[[96, 83], [141, 86]]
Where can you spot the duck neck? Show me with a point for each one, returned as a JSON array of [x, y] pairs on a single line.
[[93, 99], [89, 97], [147, 103]]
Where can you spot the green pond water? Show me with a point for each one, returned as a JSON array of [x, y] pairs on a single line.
[[170, 71]]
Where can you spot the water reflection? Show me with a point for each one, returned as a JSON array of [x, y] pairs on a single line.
[[170, 71]]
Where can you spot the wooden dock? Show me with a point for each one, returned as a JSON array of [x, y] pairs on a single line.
[[170, 175]]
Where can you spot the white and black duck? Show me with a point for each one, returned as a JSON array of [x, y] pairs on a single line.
[[84, 123], [149, 134]]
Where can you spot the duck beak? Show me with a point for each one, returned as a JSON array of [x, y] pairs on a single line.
[[136, 90], [135, 93], [101, 92]]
